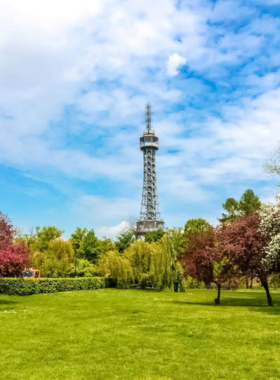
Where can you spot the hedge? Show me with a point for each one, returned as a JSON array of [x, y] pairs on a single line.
[[26, 287]]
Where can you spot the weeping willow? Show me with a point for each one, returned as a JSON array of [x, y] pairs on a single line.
[[155, 264], [118, 268], [56, 260], [173, 245], [146, 264]]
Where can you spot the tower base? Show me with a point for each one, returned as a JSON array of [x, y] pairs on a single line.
[[144, 226]]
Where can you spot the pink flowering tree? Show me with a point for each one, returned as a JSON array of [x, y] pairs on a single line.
[[244, 244], [13, 255]]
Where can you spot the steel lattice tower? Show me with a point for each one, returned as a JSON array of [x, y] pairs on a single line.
[[150, 219]]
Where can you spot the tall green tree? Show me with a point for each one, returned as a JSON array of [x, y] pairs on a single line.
[[124, 240], [173, 243], [248, 204], [91, 247], [77, 239], [231, 206], [40, 240], [106, 245]]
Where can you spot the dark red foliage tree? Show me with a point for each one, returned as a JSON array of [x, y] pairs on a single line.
[[243, 244], [203, 261], [6, 231], [13, 257]]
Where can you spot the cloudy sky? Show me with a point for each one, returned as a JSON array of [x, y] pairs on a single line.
[[74, 80]]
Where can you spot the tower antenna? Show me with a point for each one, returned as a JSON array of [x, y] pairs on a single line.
[[149, 117]]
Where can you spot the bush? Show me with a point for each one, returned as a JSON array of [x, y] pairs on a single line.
[[24, 287]]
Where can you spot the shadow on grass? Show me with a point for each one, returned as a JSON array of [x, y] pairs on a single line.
[[5, 303], [252, 303]]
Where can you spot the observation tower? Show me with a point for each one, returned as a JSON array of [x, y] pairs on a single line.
[[150, 219]]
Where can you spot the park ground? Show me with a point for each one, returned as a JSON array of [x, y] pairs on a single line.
[[134, 334]]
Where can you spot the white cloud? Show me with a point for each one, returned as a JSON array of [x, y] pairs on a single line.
[[174, 62], [113, 231], [105, 59], [92, 211]]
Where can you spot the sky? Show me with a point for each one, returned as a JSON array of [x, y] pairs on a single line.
[[75, 77]]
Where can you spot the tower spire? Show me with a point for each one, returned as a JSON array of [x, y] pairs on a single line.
[[149, 117]]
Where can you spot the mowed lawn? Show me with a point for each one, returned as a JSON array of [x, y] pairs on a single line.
[[134, 334]]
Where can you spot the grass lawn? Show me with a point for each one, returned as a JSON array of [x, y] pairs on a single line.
[[133, 334]]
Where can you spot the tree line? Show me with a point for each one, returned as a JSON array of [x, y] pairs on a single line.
[[243, 247]]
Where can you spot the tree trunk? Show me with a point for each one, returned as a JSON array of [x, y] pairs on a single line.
[[251, 282], [268, 295], [143, 284], [217, 300], [176, 286], [247, 283]]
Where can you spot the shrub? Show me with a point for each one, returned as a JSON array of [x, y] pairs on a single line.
[[23, 287]]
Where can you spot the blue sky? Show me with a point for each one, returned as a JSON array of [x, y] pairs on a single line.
[[74, 80]]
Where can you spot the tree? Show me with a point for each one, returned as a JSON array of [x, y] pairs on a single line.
[[38, 244], [243, 243], [56, 260], [42, 237], [106, 245], [6, 231], [124, 240], [60, 256], [204, 261], [84, 268], [194, 228], [117, 267], [231, 206], [272, 166], [91, 247], [88, 247], [13, 256], [151, 265], [270, 227], [249, 203], [173, 245], [77, 239], [154, 236]]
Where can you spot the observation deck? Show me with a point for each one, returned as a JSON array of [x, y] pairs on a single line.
[[149, 140]]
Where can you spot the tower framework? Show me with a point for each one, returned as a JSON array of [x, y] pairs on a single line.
[[150, 219]]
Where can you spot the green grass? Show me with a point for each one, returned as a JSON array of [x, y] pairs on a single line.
[[133, 334]]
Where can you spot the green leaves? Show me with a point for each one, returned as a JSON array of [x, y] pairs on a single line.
[[124, 240], [248, 204]]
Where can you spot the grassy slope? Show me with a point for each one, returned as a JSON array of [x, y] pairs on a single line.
[[131, 334]]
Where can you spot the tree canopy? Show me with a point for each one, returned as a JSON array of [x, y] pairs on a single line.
[[243, 243], [248, 204], [13, 254]]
